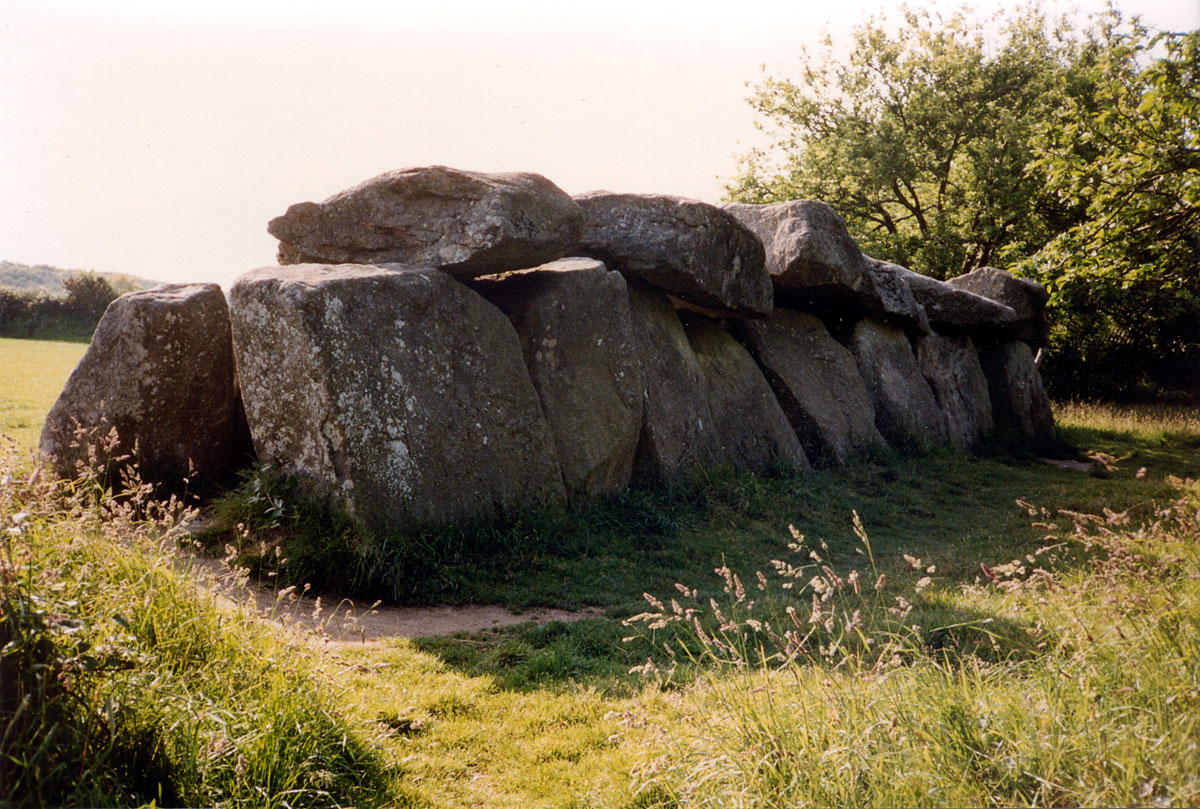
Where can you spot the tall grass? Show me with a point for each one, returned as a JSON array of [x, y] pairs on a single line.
[[1161, 420], [124, 681], [843, 700]]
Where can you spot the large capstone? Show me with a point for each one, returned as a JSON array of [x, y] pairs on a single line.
[[905, 409], [951, 309], [751, 428], [572, 316], [678, 436], [1019, 401], [464, 222], [1025, 297], [810, 255], [154, 391], [691, 249], [950, 365], [886, 296], [816, 382], [395, 390]]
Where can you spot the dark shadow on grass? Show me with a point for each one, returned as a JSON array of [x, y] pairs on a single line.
[[950, 508], [957, 509]]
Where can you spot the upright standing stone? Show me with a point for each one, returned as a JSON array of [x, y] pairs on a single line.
[[816, 382], [158, 372], [394, 389], [951, 367], [751, 428], [572, 316], [465, 222], [691, 249], [905, 409], [1019, 401], [678, 436]]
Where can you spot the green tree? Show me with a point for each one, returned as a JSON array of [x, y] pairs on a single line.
[[88, 295], [1125, 279], [1068, 154], [923, 137]]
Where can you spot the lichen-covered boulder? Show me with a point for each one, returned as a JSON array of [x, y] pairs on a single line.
[[816, 382], [950, 365], [905, 410], [159, 372], [751, 428], [393, 389], [464, 222], [691, 249], [810, 255], [572, 316], [678, 436], [1019, 400], [1025, 297], [951, 309]]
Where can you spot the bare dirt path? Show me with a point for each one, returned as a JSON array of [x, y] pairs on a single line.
[[348, 622]]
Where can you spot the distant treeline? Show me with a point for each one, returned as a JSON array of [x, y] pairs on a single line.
[[72, 316]]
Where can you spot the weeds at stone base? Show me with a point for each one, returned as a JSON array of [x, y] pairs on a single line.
[[269, 525]]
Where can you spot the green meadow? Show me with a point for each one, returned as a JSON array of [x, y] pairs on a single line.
[[34, 372], [947, 629]]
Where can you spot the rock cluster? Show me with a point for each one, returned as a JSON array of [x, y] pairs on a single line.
[[440, 346]]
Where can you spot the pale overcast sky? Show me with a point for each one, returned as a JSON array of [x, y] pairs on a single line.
[[158, 138]]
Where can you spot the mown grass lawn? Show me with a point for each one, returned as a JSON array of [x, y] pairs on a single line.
[[32, 373], [1076, 686]]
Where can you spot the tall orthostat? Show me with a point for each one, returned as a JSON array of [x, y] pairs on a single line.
[[154, 391], [393, 389]]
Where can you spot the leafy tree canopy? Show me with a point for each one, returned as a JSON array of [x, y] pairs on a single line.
[[1067, 154], [922, 139], [1126, 277]]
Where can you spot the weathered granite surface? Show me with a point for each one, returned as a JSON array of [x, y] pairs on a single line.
[[159, 376], [816, 381], [394, 390], [572, 316], [691, 249], [467, 223]]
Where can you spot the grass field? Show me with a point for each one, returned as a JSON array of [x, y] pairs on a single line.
[[34, 374], [1075, 685]]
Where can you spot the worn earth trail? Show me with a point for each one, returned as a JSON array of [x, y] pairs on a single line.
[[348, 622]]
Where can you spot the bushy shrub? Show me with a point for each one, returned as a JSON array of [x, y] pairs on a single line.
[[73, 316]]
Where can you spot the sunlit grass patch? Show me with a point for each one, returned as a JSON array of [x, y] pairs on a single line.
[[465, 741], [1147, 418], [33, 376]]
